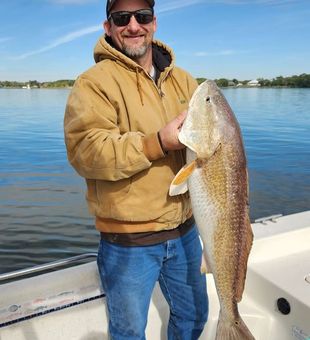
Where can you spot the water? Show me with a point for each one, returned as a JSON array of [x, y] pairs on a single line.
[[43, 214]]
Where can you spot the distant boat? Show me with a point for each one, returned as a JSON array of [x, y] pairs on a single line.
[[70, 304], [27, 87]]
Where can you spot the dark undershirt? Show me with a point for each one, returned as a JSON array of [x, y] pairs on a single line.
[[148, 238]]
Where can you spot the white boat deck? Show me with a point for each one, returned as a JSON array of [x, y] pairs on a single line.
[[278, 267], [69, 304]]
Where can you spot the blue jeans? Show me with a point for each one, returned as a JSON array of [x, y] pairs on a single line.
[[129, 274]]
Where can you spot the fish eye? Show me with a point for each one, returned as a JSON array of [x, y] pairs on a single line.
[[208, 99]]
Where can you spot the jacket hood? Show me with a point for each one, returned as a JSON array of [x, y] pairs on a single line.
[[163, 56], [163, 60]]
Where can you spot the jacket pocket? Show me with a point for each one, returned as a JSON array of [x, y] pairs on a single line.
[[110, 192]]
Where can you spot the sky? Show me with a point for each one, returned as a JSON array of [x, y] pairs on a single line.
[[47, 40]]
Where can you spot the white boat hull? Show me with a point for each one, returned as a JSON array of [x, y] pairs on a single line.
[[70, 304]]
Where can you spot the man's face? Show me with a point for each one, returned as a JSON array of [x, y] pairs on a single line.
[[134, 39]]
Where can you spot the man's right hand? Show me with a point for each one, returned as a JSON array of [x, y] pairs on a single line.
[[169, 133]]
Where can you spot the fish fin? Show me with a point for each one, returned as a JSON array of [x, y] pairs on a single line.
[[236, 329], [204, 267], [179, 189], [179, 183], [245, 251]]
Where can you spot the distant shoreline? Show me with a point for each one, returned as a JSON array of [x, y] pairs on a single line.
[[222, 87], [37, 88], [295, 81]]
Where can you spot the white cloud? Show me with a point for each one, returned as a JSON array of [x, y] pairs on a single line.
[[176, 4], [62, 40]]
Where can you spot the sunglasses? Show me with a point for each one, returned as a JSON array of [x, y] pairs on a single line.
[[122, 18]]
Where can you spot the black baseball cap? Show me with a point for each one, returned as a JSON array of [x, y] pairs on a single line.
[[111, 3]]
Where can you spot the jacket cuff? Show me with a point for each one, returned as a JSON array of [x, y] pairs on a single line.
[[152, 148]]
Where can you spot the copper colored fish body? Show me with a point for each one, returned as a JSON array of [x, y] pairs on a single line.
[[216, 176]]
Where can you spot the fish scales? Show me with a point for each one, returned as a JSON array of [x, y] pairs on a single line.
[[215, 186], [218, 188]]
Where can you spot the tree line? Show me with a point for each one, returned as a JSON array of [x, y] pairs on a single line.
[[63, 83], [302, 80]]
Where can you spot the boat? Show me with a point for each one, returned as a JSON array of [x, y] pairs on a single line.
[[69, 303]]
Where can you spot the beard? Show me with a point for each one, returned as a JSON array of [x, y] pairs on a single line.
[[135, 52]]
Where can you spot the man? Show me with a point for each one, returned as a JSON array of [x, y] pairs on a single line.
[[121, 128]]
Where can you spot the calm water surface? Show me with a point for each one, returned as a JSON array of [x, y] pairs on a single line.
[[43, 215]]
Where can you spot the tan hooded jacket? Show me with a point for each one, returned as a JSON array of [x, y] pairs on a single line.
[[112, 117]]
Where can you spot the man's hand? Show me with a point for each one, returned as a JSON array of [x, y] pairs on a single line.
[[169, 133]]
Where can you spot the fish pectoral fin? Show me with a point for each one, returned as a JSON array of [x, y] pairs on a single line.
[[179, 183], [180, 189], [184, 173]]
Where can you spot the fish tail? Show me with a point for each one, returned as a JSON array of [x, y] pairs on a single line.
[[232, 329]]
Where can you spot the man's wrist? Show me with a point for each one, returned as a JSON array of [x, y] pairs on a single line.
[[161, 143], [151, 147]]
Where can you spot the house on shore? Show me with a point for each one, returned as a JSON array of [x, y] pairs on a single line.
[[253, 83]]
